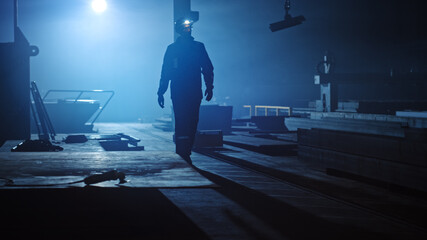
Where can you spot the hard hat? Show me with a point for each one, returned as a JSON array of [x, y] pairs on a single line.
[[183, 25]]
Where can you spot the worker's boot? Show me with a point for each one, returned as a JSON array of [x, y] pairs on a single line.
[[183, 148]]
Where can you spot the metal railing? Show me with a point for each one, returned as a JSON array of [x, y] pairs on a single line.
[[81, 92], [277, 108]]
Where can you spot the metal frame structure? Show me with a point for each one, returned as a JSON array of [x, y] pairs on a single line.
[[81, 92], [277, 108], [40, 115]]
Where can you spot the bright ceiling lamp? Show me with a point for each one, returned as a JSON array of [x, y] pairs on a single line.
[[99, 5]]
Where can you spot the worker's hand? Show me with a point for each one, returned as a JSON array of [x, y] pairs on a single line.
[[161, 101], [208, 94]]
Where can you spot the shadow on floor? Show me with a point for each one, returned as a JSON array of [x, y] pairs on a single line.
[[291, 222], [93, 213]]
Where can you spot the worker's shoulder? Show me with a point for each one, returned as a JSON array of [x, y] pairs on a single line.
[[199, 43], [177, 44], [172, 45]]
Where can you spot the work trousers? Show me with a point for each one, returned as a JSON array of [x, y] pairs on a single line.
[[186, 112]]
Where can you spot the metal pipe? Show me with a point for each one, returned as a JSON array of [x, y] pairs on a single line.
[[77, 98], [102, 108]]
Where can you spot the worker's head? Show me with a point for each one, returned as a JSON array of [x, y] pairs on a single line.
[[183, 26]]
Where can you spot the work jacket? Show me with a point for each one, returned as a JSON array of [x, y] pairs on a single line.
[[184, 62]]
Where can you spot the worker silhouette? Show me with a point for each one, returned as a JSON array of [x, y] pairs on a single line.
[[184, 62]]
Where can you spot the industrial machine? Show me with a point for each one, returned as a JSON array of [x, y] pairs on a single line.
[[15, 85], [371, 93]]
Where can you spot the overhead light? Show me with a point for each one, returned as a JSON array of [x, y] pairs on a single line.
[[99, 5], [289, 20], [287, 23]]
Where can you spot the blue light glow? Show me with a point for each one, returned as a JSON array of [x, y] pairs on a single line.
[[99, 5]]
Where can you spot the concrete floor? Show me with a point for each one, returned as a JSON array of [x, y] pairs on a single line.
[[230, 193]]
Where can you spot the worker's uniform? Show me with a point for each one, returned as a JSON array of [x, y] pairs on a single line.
[[184, 62]]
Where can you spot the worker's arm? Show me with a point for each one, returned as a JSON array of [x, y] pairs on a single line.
[[207, 71], [164, 78]]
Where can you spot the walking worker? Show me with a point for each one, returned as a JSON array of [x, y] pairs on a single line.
[[184, 62]]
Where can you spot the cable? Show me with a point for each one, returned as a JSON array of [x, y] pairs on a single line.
[[91, 179]]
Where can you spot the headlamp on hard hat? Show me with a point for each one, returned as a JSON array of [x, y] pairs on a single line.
[[183, 25]]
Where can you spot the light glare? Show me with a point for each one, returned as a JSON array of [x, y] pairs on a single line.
[[99, 5]]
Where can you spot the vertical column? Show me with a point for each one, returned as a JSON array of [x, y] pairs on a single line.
[[15, 18], [329, 97], [181, 8]]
